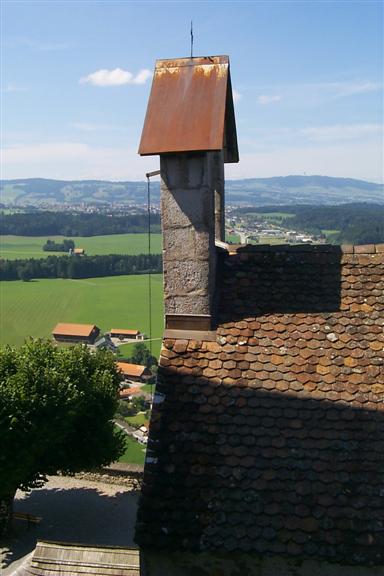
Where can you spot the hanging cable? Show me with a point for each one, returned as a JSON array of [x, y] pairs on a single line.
[[148, 176], [149, 262]]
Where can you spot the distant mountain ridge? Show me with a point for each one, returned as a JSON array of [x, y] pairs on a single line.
[[277, 190]]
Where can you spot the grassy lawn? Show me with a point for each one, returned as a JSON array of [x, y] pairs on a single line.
[[33, 308], [12, 247], [330, 234], [269, 216], [137, 420], [271, 240], [233, 238], [275, 215], [148, 388], [125, 350], [134, 452]]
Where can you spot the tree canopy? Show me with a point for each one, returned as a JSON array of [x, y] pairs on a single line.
[[56, 411], [79, 224], [141, 355], [80, 266]]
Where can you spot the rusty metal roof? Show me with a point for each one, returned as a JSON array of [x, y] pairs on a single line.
[[190, 108]]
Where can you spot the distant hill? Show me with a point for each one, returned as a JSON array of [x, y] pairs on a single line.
[[315, 190], [320, 190]]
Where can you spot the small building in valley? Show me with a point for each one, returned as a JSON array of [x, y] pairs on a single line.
[[124, 334], [133, 372], [64, 332], [105, 343], [130, 393]]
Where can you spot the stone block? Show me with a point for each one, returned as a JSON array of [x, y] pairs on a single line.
[[182, 207], [187, 304], [185, 277], [183, 170], [186, 243]]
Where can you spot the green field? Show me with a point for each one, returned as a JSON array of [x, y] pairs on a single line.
[[134, 452], [33, 308], [137, 420], [148, 388], [12, 247], [271, 240], [232, 238], [275, 215], [125, 350], [330, 234]]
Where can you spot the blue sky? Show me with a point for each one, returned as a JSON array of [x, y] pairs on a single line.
[[307, 78]]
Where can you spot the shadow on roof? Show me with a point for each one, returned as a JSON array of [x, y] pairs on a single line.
[[281, 279], [238, 468]]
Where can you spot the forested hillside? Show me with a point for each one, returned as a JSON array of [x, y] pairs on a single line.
[[80, 266], [355, 223], [79, 224]]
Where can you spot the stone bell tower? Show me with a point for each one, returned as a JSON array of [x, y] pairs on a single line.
[[190, 123]]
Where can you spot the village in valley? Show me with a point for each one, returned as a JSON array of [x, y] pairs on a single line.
[[136, 380]]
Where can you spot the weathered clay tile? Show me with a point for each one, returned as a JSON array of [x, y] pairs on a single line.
[[275, 444]]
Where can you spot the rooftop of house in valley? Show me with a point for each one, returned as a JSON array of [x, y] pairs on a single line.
[[132, 370], [70, 329]]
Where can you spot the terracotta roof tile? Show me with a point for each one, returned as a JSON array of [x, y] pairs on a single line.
[[65, 329], [276, 446], [124, 331], [133, 370]]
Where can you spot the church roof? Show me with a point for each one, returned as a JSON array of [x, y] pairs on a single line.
[[269, 440]]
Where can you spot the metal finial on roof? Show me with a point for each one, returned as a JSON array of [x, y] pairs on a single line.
[[191, 38]]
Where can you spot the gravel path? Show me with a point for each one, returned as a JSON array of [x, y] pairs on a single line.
[[72, 510]]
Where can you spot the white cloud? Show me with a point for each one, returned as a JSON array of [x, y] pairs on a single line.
[[12, 87], [93, 127], [341, 132], [142, 76], [236, 95], [311, 95], [342, 89], [268, 99], [116, 77]]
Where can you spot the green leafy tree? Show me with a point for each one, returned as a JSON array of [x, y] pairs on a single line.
[[140, 404], [25, 272], [56, 411], [141, 355]]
